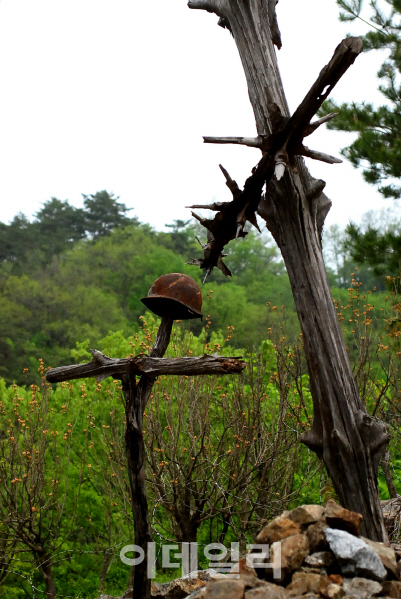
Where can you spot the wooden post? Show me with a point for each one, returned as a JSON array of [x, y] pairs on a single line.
[[294, 207], [136, 399], [136, 395]]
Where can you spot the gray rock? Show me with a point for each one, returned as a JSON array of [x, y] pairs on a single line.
[[387, 556], [361, 587], [354, 555]]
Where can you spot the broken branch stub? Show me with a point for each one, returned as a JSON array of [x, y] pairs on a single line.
[[280, 150], [202, 5], [251, 142]]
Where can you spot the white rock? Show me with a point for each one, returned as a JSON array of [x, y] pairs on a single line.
[[354, 555], [320, 559]]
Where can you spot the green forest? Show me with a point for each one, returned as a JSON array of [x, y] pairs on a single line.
[[73, 275], [73, 279]]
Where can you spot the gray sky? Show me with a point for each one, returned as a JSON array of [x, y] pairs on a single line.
[[116, 95]]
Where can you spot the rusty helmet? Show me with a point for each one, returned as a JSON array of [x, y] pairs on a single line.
[[176, 295]]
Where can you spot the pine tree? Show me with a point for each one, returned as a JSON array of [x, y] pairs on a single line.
[[377, 149]]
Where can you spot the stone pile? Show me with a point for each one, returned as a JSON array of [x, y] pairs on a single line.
[[323, 556]]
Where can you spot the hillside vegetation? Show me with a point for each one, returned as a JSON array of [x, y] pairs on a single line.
[[223, 453]]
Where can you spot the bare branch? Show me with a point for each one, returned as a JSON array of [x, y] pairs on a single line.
[[252, 219], [343, 57], [199, 218], [209, 270], [226, 174], [251, 142], [319, 156], [215, 206], [313, 126], [224, 269], [231, 184]]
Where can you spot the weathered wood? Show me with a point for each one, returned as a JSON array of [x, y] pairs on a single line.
[[294, 208], [102, 367]]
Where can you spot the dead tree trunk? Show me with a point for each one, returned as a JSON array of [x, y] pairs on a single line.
[[294, 208]]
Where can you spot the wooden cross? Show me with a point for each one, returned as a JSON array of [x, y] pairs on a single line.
[[136, 394]]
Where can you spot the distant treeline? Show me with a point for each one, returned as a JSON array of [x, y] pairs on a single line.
[[58, 226]]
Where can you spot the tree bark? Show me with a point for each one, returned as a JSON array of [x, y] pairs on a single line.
[[349, 441], [136, 398]]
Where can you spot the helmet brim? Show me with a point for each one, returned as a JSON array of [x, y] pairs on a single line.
[[163, 306]]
